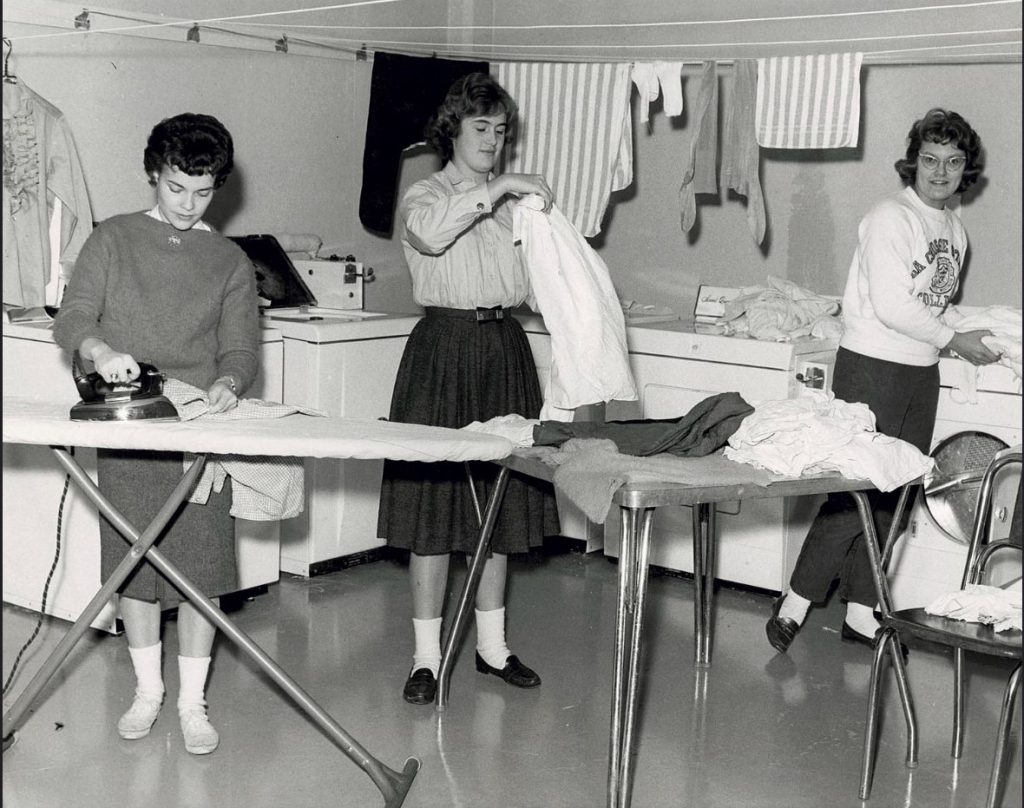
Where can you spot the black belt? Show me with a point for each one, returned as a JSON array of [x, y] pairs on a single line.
[[480, 314]]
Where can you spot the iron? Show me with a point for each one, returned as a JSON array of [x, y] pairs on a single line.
[[141, 399]]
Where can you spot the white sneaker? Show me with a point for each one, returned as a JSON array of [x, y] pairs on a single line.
[[200, 736], [137, 722]]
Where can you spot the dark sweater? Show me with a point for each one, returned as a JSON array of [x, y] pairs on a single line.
[[184, 301]]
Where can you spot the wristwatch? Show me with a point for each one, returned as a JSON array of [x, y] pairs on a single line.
[[230, 382]]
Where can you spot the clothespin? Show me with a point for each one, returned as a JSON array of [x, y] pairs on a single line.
[[281, 44], [361, 53], [193, 33], [82, 20]]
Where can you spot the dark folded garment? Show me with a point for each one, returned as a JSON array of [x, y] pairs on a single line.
[[704, 429]]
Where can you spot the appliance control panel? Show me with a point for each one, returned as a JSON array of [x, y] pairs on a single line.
[[336, 284]]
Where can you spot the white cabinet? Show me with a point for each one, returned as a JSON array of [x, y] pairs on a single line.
[[33, 484], [344, 369], [675, 368]]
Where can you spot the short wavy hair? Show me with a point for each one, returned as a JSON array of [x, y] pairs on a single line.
[[942, 126], [194, 143], [472, 94]]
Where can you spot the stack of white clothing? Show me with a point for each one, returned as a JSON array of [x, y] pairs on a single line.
[[978, 603], [781, 311], [572, 289], [263, 488], [817, 433], [1005, 324]]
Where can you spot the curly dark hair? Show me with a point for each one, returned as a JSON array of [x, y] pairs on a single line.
[[194, 143], [472, 94], [942, 126]]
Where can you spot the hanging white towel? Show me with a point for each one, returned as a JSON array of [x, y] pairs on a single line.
[[809, 102], [654, 78], [574, 128], [574, 293]]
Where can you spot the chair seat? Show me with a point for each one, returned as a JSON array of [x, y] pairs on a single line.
[[957, 633]]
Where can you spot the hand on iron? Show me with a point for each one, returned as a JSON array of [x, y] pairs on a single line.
[[114, 367], [221, 396]]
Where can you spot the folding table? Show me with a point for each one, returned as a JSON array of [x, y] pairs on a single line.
[[637, 502], [30, 421]]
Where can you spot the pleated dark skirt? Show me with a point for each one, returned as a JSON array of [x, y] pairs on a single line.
[[454, 371], [199, 540]]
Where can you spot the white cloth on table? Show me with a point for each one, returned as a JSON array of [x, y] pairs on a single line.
[[515, 428], [262, 488], [572, 289], [980, 603], [818, 432]]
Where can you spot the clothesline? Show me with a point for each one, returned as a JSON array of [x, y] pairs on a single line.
[[1002, 43]]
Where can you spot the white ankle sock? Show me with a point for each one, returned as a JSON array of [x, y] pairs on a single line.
[[149, 680], [794, 607], [428, 644], [861, 619], [490, 637], [192, 673]]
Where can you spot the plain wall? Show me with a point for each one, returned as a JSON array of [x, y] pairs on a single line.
[[299, 126]]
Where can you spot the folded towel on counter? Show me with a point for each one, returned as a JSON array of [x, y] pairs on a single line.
[[979, 603], [575, 128], [809, 102]]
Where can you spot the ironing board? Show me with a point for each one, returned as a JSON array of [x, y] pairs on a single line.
[[46, 423], [637, 502]]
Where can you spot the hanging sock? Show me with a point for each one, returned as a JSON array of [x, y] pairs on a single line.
[[699, 176], [200, 736], [149, 693], [490, 637], [741, 156], [428, 644]]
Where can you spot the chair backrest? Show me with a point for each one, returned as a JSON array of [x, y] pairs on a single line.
[[983, 546]]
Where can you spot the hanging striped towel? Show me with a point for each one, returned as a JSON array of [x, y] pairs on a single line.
[[809, 102], [575, 128]]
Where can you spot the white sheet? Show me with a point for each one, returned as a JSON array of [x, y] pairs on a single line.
[[47, 423]]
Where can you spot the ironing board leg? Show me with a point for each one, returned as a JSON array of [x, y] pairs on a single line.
[[468, 595], [704, 541], [13, 716], [393, 785]]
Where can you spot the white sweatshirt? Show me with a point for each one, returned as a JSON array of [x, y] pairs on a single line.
[[904, 273]]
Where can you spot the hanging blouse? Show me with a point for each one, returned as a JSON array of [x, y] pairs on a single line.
[[41, 165]]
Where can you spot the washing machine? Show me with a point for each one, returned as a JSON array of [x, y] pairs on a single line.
[[974, 420]]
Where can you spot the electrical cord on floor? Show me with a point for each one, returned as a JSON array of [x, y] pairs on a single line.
[[46, 586]]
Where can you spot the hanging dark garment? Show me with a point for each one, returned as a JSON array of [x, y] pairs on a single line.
[[404, 92], [703, 430]]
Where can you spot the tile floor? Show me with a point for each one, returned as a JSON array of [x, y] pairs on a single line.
[[757, 730]]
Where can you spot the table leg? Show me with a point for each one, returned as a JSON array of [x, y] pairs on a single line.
[[704, 541], [468, 595], [393, 785], [634, 555]]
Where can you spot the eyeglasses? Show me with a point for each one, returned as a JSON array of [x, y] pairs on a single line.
[[931, 162]]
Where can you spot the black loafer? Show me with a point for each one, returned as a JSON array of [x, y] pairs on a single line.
[[780, 630], [420, 687], [514, 672], [849, 634]]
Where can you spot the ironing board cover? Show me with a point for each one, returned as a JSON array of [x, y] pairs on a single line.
[[27, 420]]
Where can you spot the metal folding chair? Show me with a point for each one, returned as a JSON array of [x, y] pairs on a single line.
[[959, 635]]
